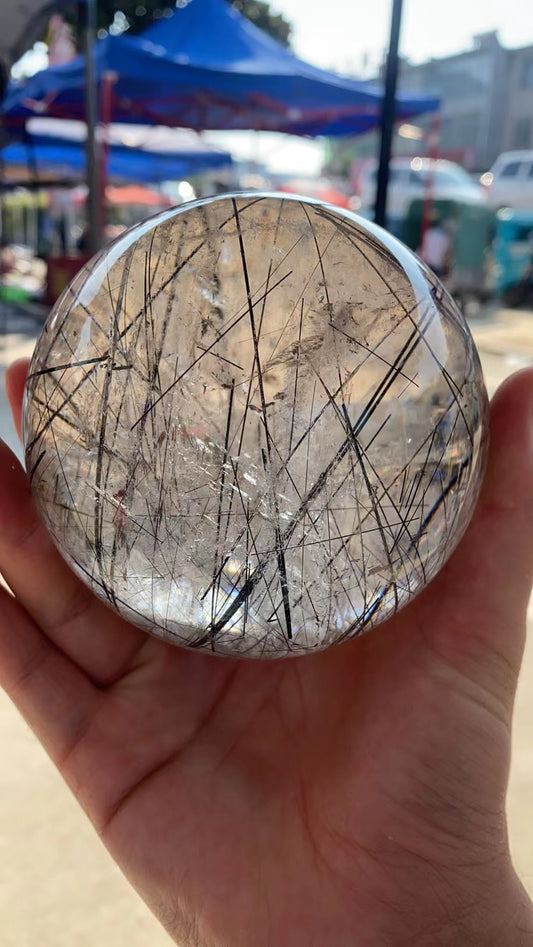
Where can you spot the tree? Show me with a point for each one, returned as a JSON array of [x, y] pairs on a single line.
[[262, 16], [136, 15]]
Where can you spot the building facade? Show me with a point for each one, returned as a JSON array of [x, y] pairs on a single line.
[[518, 120], [472, 87], [486, 95]]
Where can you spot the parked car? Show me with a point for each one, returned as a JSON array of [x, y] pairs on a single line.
[[411, 179], [509, 183]]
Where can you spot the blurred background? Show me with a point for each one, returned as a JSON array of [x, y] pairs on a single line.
[[418, 116]]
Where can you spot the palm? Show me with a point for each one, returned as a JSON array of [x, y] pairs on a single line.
[[244, 794]]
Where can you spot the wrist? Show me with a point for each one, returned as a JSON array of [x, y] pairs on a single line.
[[521, 919], [502, 921]]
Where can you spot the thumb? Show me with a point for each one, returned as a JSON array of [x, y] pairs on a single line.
[[483, 591], [15, 381]]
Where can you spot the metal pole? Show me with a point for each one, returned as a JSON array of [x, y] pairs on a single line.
[[108, 79], [387, 114], [94, 221], [3, 141]]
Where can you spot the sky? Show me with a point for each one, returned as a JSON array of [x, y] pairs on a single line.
[[351, 36]]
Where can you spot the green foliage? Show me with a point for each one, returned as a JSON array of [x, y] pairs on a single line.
[[135, 14], [260, 13]]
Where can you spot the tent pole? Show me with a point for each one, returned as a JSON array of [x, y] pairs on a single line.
[[387, 114], [94, 223], [108, 79]]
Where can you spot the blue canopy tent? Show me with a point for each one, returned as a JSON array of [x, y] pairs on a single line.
[[207, 67], [163, 155]]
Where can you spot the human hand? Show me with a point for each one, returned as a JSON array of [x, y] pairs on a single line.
[[353, 797]]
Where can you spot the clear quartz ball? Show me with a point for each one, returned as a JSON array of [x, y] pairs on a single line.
[[255, 425]]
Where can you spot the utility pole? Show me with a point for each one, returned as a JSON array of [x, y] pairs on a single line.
[[387, 114]]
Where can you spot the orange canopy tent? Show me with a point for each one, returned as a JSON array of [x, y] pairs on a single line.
[[134, 194], [129, 195]]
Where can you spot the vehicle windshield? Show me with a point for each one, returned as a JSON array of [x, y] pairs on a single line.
[[442, 177], [395, 174]]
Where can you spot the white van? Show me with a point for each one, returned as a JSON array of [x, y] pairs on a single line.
[[411, 178], [509, 182]]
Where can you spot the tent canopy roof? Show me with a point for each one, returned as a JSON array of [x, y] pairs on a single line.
[[231, 43], [55, 148], [207, 67]]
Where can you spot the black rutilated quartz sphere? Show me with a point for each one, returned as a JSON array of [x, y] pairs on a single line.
[[255, 425]]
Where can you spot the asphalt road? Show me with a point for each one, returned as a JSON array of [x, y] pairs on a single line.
[[58, 885]]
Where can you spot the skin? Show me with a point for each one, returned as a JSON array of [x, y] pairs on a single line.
[[353, 797]]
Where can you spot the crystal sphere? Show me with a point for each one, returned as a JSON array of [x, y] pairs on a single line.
[[255, 425]]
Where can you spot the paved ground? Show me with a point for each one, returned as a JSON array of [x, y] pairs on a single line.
[[58, 886]]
